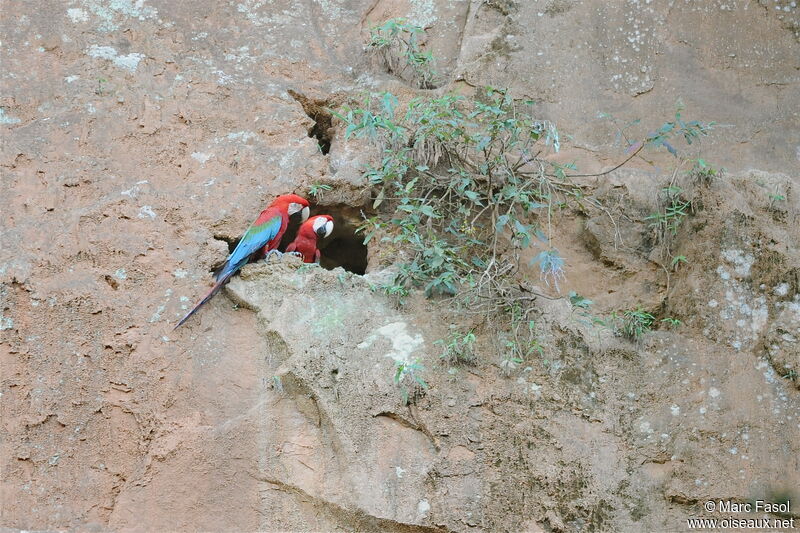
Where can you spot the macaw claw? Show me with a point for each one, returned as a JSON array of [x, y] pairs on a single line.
[[281, 255], [271, 253]]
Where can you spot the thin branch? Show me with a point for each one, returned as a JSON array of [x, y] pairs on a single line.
[[634, 154]]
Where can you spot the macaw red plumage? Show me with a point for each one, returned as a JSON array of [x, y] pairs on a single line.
[[262, 237], [306, 241]]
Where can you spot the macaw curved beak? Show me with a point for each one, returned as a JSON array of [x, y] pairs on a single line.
[[325, 229], [295, 208]]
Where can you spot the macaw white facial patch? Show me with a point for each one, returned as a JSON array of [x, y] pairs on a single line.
[[323, 223]]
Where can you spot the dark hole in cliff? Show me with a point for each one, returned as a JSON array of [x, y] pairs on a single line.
[[232, 242], [343, 248], [317, 110]]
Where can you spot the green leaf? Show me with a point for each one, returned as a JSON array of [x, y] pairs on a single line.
[[579, 301], [679, 259], [478, 262], [428, 211], [474, 196], [389, 103], [502, 220], [378, 199]]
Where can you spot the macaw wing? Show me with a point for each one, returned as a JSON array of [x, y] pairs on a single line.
[[260, 232]]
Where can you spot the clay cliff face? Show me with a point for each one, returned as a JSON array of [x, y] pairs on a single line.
[[139, 138]]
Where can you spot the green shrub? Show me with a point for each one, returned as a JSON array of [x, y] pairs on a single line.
[[675, 208], [465, 186], [463, 189], [397, 42], [407, 378], [458, 347], [633, 324]]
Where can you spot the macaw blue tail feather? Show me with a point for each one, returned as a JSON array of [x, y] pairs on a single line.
[[214, 290]]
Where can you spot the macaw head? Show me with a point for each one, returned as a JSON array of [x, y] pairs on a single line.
[[293, 204], [323, 225]]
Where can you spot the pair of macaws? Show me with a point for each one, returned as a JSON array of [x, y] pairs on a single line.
[[264, 235]]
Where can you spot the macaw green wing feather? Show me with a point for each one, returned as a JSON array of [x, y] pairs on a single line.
[[255, 238]]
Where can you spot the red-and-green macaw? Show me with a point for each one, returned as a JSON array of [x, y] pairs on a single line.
[[305, 243], [261, 239]]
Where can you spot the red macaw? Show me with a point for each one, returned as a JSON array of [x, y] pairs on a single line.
[[305, 244], [261, 238]]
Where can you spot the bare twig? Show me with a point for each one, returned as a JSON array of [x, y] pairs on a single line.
[[609, 171]]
